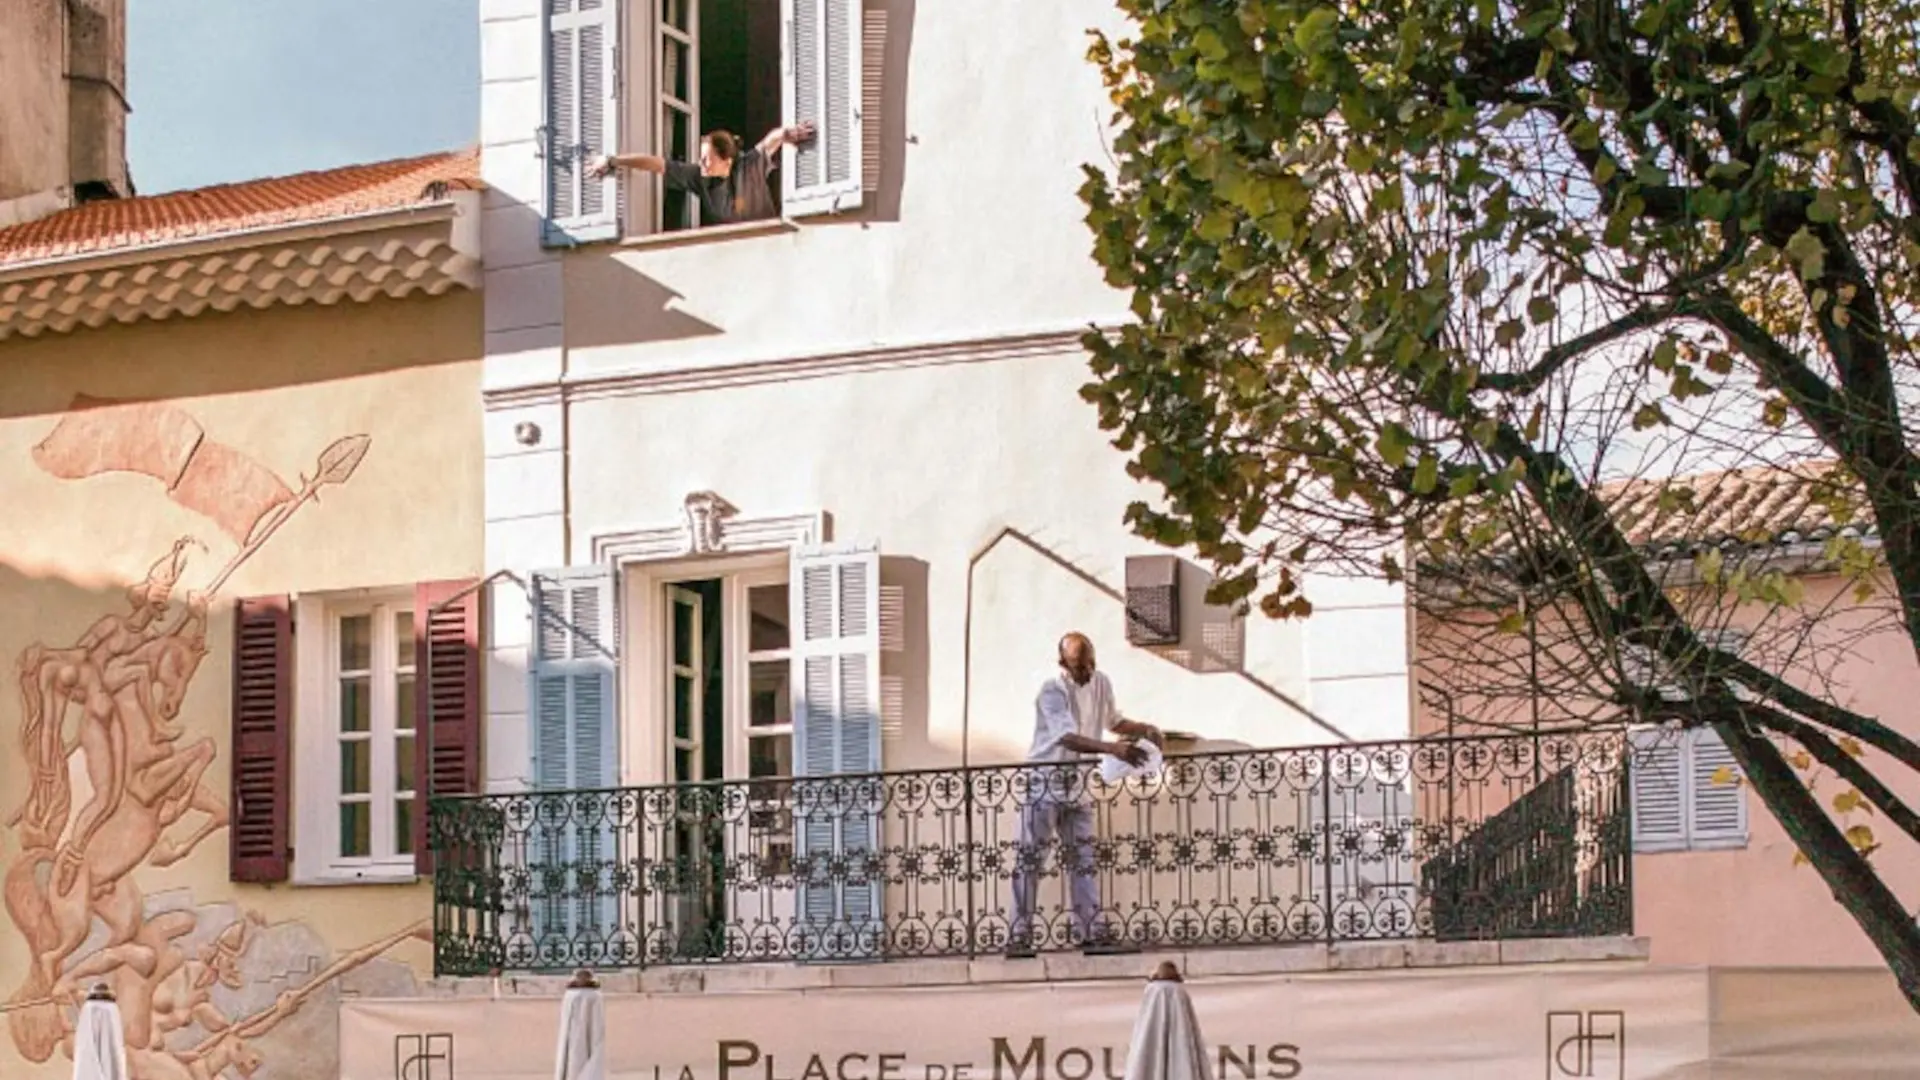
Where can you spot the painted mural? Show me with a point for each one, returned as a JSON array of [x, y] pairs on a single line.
[[123, 784]]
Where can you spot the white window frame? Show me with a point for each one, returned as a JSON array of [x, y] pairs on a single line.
[[740, 729], [643, 100], [316, 780]]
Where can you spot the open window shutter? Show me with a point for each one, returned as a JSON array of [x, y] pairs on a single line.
[[262, 734], [582, 81], [822, 82], [576, 655], [446, 700], [575, 742], [1717, 803], [1659, 778], [836, 658]]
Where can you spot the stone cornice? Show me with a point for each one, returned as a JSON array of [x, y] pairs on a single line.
[[425, 250], [820, 365]]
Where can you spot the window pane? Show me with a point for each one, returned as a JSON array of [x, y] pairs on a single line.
[[403, 764], [356, 830], [682, 766], [403, 826], [356, 703], [356, 766], [683, 630], [769, 756], [403, 703], [770, 693], [682, 707], [356, 643], [403, 639], [767, 615]]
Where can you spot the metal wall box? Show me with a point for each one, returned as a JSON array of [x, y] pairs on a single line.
[[1153, 600]]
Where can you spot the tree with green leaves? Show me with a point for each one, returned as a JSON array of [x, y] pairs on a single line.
[[1437, 290]]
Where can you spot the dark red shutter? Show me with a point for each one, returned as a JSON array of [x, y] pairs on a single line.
[[262, 734], [446, 660]]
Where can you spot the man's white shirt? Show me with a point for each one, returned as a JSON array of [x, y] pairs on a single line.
[[1064, 707]]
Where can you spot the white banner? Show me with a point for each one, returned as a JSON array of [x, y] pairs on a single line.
[[1559, 1023]]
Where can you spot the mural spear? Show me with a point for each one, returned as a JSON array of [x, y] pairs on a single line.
[[336, 465]]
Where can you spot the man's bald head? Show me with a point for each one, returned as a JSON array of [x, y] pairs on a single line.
[[1076, 657]]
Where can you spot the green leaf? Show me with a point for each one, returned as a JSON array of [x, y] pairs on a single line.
[[1649, 21], [1847, 802], [1825, 208], [1426, 475], [1317, 30], [1541, 310], [1393, 444], [1808, 253]]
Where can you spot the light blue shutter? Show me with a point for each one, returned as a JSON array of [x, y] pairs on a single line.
[[836, 657], [582, 84], [1657, 770], [575, 747], [821, 69], [1716, 809]]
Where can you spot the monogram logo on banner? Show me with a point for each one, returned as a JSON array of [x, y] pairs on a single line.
[[423, 1057], [1589, 1045]]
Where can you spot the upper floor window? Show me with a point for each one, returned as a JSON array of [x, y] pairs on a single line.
[[661, 77]]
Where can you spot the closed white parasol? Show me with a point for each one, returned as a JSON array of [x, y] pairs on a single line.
[[99, 1042], [1167, 1044], [583, 1031]]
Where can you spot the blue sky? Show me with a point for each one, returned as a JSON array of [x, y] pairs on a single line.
[[227, 90]]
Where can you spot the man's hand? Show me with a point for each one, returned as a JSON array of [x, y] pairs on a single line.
[[801, 132], [1130, 752], [600, 167]]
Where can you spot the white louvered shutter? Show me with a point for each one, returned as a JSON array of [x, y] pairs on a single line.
[[836, 658], [1716, 810], [575, 744], [821, 81], [582, 84], [1657, 766]]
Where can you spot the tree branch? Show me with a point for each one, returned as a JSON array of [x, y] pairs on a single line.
[[1526, 382]]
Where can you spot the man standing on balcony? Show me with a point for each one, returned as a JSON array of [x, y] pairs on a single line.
[[731, 184], [1072, 716]]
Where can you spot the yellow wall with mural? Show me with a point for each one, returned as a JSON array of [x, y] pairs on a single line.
[[118, 518]]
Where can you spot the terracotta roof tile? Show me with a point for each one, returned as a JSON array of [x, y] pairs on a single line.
[[1761, 506], [228, 208]]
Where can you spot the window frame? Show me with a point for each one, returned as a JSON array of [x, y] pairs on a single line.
[[317, 735], [642, 99]]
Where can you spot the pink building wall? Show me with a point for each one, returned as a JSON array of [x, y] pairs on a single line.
[[1755, 906]]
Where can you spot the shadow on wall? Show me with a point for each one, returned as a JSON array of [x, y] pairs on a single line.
[[1213, 639], [904, 655], [242, 351], [112, 845]]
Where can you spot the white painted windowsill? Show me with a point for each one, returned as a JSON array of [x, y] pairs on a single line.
[[369, 875]]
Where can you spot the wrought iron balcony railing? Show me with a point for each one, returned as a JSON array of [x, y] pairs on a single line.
[[1457, 838]]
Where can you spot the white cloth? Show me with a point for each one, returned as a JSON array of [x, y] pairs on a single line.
[[1064, 708], [1113, 769], [583, 1037], [99, 1043], [1167, 1044]]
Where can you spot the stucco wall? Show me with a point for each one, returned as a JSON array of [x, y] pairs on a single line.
[[936, 464], [1753, 906], [33, 97], [246, 393]]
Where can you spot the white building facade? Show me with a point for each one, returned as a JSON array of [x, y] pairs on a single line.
[[888, 376]]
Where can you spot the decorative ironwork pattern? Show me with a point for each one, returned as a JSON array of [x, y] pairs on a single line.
[[1472, 837]]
